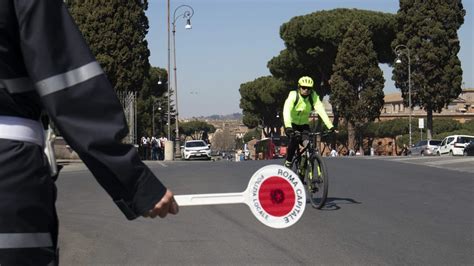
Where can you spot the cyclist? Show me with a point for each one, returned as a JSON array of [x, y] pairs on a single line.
[[296, 111]]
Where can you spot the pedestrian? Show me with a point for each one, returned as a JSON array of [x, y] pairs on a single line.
[[144, 146], [154, 148], [405, 150], [46, 66], [163, 140], [148, 148], [160, 149]]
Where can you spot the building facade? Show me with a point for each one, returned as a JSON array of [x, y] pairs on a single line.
[[460, 109]]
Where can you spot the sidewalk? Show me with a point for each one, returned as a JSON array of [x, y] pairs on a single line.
[[72, 165]]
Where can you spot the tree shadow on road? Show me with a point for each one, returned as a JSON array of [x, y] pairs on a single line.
[[333, 203]]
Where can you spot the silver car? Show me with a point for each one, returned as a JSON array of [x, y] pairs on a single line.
[[424, 147]]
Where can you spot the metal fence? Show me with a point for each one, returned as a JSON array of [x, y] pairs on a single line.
[[129, 103]]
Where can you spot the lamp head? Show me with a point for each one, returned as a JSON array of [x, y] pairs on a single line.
[[188, 25], [159, 82], [398, 61]]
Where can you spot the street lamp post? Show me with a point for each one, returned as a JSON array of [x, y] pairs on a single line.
[[153, 115], [399, 50], [169, 83], [153, 118], [187, 14]]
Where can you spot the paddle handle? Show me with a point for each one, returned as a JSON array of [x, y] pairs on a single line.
[[209, 199]]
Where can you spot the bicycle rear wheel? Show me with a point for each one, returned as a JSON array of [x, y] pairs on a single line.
[[317, 181]]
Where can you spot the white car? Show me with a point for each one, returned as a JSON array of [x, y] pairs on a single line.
[[454, 145], [196, 149]]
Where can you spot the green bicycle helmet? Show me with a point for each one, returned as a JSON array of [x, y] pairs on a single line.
[[306, 81]]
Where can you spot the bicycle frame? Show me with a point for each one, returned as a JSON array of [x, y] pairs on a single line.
[[305, 162], [308, 151]]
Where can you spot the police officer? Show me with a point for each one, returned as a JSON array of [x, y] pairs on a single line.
[[45, 65]]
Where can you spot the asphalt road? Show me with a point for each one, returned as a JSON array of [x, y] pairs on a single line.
[[380, 212]]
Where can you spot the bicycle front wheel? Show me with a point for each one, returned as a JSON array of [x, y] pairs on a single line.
[[317, 181]]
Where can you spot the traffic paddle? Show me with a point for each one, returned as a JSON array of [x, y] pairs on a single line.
[[274, 194]]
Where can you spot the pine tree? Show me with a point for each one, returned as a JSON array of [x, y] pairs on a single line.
[[115, 31], [429, 29], [357, 83], [312, 43], [262, 103]]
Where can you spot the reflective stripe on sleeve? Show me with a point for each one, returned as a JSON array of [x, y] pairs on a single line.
[[68, 79], [25, 240], [17, 85]]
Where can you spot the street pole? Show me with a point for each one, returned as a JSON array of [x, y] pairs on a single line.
[[169, 68], [398, 52], [177, 139], [187, 15], [153, 117], [409, 94], [161, 121]]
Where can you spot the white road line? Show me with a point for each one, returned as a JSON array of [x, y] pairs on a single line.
[[412, 158], [459, 160]]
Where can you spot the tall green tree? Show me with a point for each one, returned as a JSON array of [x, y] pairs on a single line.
[[153, 104], [195, 129], [312, 43], [155, 84], [357, 82], [429, 29], [252, 134], [115, 31], [262, 103]]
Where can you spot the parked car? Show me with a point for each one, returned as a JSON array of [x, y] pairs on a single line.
[[424, 147], [196, 149], [469, 149], [454, 145]]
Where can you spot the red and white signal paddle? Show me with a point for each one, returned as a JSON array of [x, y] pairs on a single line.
[[274, 194]]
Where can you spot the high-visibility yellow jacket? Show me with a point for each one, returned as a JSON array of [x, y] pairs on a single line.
[[299, 113]]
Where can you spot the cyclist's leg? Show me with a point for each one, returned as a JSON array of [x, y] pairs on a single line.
[[302, 164], [293, 143], [290, 152], [292, 146]]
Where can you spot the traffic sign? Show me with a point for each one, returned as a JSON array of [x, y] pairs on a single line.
[[275, 195], [421, 123]]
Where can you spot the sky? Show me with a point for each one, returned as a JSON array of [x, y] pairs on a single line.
[[231, 42]]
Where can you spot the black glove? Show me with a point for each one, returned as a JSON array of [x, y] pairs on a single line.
[[289, 131]]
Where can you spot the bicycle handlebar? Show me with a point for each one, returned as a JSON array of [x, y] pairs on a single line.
[[308, 133]]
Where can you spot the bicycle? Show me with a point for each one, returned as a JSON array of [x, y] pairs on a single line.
[[309, 165]]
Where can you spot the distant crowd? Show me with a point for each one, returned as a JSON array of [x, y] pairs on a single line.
[[152, 148]]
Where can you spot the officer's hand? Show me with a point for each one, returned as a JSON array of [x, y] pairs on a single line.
[[289, 131], [334, 130], [166, 205]]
